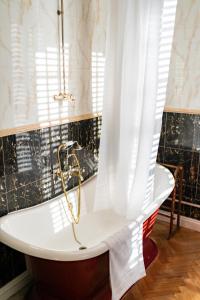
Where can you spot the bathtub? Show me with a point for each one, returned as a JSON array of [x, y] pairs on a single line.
[[62, 271]]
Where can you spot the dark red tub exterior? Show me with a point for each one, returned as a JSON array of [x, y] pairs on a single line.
[[81, 280]]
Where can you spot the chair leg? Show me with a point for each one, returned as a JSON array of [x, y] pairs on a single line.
[[180, 197], [172, 213]]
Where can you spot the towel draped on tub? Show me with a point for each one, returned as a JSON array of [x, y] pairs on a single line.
[[126, 258]]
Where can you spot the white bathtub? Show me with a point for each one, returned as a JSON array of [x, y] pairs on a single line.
[[44, 230]]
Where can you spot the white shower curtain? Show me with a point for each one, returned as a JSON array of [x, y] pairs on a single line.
[[138, 50]]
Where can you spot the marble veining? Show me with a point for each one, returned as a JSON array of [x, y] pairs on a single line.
[[184, 77], [29, 63], [179, 145]]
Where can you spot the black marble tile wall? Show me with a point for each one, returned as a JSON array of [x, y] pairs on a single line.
[[180, 145], [28, 162]]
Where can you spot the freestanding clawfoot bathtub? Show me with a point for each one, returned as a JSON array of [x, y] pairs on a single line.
[[61, 270]]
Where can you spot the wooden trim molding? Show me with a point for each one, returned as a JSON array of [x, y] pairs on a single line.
[[182, 110], [26, 128]]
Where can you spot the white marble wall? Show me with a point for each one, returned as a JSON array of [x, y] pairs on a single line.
[[29, 66], [184, 77]]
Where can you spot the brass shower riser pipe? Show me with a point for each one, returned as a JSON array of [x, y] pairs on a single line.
[[60, 13], [62, 95]]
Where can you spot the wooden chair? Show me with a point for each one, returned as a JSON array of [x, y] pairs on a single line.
[[177, 172]]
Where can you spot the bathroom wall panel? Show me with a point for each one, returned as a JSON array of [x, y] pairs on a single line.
[[173, 130], [160, 155], [181, 130], [1, 158], [25, 196], [3, 196], [190, 193], [198, 192], [28, 162], [196, 133], [2, 184], [179, 145], [191, 211], [22, 159], [184, 76], [3, 204], [29, 62], [188, 132], [163, 132]]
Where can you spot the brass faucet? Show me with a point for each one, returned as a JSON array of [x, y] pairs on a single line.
[[74, 170]]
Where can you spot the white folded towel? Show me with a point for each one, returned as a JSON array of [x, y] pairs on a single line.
[[126, 258]]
